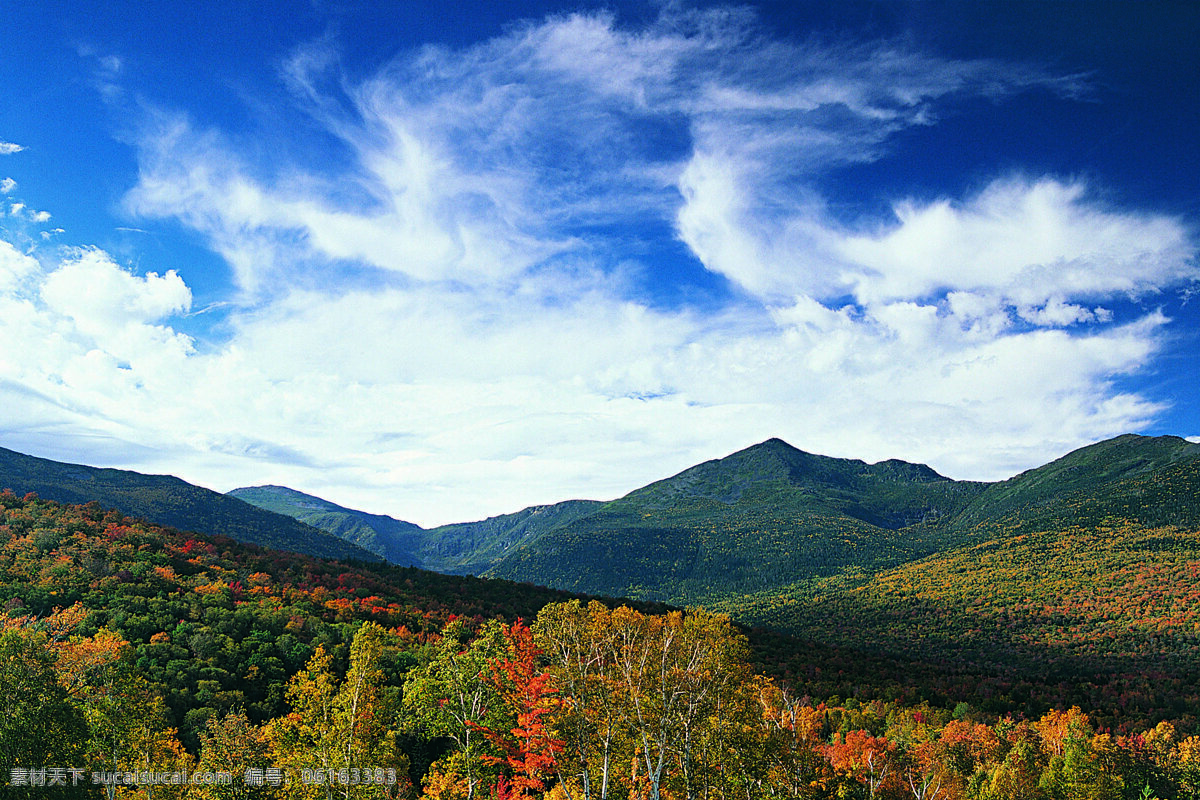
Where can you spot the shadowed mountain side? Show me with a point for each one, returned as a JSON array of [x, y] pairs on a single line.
[[394, 540], [470, 548], [166, 500]]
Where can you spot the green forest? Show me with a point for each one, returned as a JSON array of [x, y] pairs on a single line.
[[140, 661]]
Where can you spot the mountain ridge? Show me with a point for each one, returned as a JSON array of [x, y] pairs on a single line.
[[764, 517], [170, 501], [774, 517]]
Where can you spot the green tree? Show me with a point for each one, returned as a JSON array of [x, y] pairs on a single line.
[[452, 697], [346, 730], [39, 726]]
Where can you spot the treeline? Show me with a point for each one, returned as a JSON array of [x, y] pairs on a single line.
[[587, 702]]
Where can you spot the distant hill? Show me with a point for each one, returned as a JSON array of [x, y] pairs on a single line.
[[169, 501], [394, 540]]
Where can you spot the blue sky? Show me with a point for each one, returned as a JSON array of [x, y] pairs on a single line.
[[446, 261]]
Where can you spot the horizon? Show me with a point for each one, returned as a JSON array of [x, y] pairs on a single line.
[[447, 266]]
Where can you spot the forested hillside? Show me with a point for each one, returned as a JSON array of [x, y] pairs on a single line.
[[220, 625], [392, 539], [130, 649], [167, 500], [1074, 575], [756, 531], [961, 603]]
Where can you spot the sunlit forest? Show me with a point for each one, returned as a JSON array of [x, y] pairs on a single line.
[[137, 661], [586, 702]]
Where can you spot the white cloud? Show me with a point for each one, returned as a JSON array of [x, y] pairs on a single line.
[[100, 297], [1027, 240], [456, 325], [8, 148], [435, 406], [476, 165], [7, 186], [15, 267], [21, 211]]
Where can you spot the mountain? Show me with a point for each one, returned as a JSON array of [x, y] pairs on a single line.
[[1151, 480], [169, 501], [736, 525], [394, 540], [760, 518], [773, 519]]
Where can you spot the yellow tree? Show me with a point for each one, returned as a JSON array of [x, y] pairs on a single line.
[[1074, 768], [794, 731], [1188, 755], [705, 666], [231, 745], [452, 697], [339, 740], [673, 671], [577, 641]]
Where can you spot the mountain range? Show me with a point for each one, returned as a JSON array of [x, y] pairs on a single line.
[[1077, 582], [767, 518], [772, 516]]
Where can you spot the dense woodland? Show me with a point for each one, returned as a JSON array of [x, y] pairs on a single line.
[[130, 648]]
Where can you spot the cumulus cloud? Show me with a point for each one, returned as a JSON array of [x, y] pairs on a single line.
[[7, 186], [8, 148], [15, 266], [99, 296], [1027, 240], [458, 323]]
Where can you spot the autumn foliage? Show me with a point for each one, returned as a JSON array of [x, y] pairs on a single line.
[[127, 648]]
